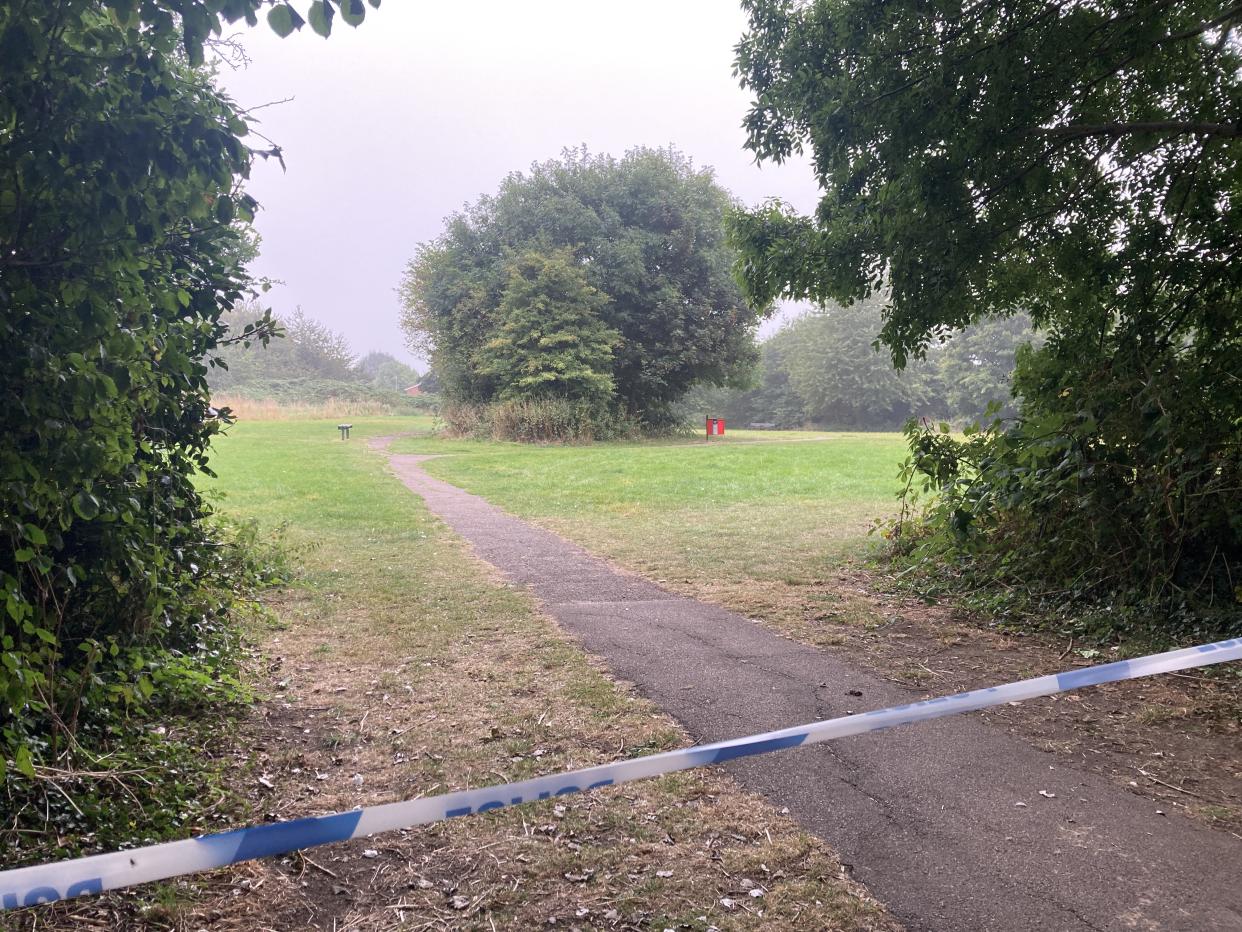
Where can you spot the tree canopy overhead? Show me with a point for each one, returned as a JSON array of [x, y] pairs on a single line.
[[981, 157], [644, 232]]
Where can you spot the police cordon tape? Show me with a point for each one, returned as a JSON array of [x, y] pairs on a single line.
[[45, 883]]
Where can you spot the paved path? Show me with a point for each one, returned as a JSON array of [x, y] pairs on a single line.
[[926, 816]]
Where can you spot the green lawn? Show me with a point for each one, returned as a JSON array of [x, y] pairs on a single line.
[[273, 470], [704, 516]]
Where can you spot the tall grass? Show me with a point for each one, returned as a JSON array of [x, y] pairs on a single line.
[[547, 420], [268, 409]]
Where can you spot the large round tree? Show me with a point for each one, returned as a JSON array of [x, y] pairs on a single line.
[[645, 231]]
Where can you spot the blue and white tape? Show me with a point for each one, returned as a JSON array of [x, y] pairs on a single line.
[[45, 883]]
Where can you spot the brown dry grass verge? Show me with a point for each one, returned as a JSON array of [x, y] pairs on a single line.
[[268, 409], [687, 851]]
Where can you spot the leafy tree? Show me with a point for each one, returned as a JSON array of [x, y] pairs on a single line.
[[316, 349], [823, 368], [646, 232], [430, 383], [550, 341], [843, 381], [975, 367], [1081, 162], [385, 371], [773, 400], [308, 349], [120, 247], [368, 366], [1092, 174]]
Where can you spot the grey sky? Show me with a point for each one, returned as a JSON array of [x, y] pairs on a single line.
[[429, 104]]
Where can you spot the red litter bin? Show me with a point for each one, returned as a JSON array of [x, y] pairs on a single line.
[[715, 427]]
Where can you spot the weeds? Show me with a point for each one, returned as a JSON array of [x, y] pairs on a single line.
[[141, 760], [551, 420], [1044, 524]]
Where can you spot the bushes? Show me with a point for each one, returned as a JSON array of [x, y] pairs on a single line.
[[1058, 516], [122, 243], [113, 745], [113, 282], [120, 196], [550, 420], [1116, 496]]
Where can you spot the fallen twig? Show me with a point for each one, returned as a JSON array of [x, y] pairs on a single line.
[[1169, 785], [320, 867]]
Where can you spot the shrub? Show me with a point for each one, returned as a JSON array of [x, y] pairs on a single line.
[[1049, 514], [548, 420], [119, 250]]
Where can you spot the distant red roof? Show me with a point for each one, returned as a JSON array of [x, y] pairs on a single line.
[[413, 391]]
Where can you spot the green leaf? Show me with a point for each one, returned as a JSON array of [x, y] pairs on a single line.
[[320, 16], [353, 12], [224, 209], [246, 207], [86, 506], [193, 45], [23, 762], [24, 555], [284, 19], [35, 535]]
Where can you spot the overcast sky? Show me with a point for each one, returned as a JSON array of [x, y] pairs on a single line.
[[428, 105]]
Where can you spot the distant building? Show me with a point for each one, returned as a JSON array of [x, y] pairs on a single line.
[[413, 391]]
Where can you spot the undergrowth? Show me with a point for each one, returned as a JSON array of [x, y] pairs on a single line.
[[144, 757], [1044, 526], [543, 420]]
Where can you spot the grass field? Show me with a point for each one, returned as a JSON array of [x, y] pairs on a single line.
[[749, 524], [400, 666]]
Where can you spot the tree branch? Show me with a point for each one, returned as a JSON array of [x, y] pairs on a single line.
[[1224, 19], [1170, 127]]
